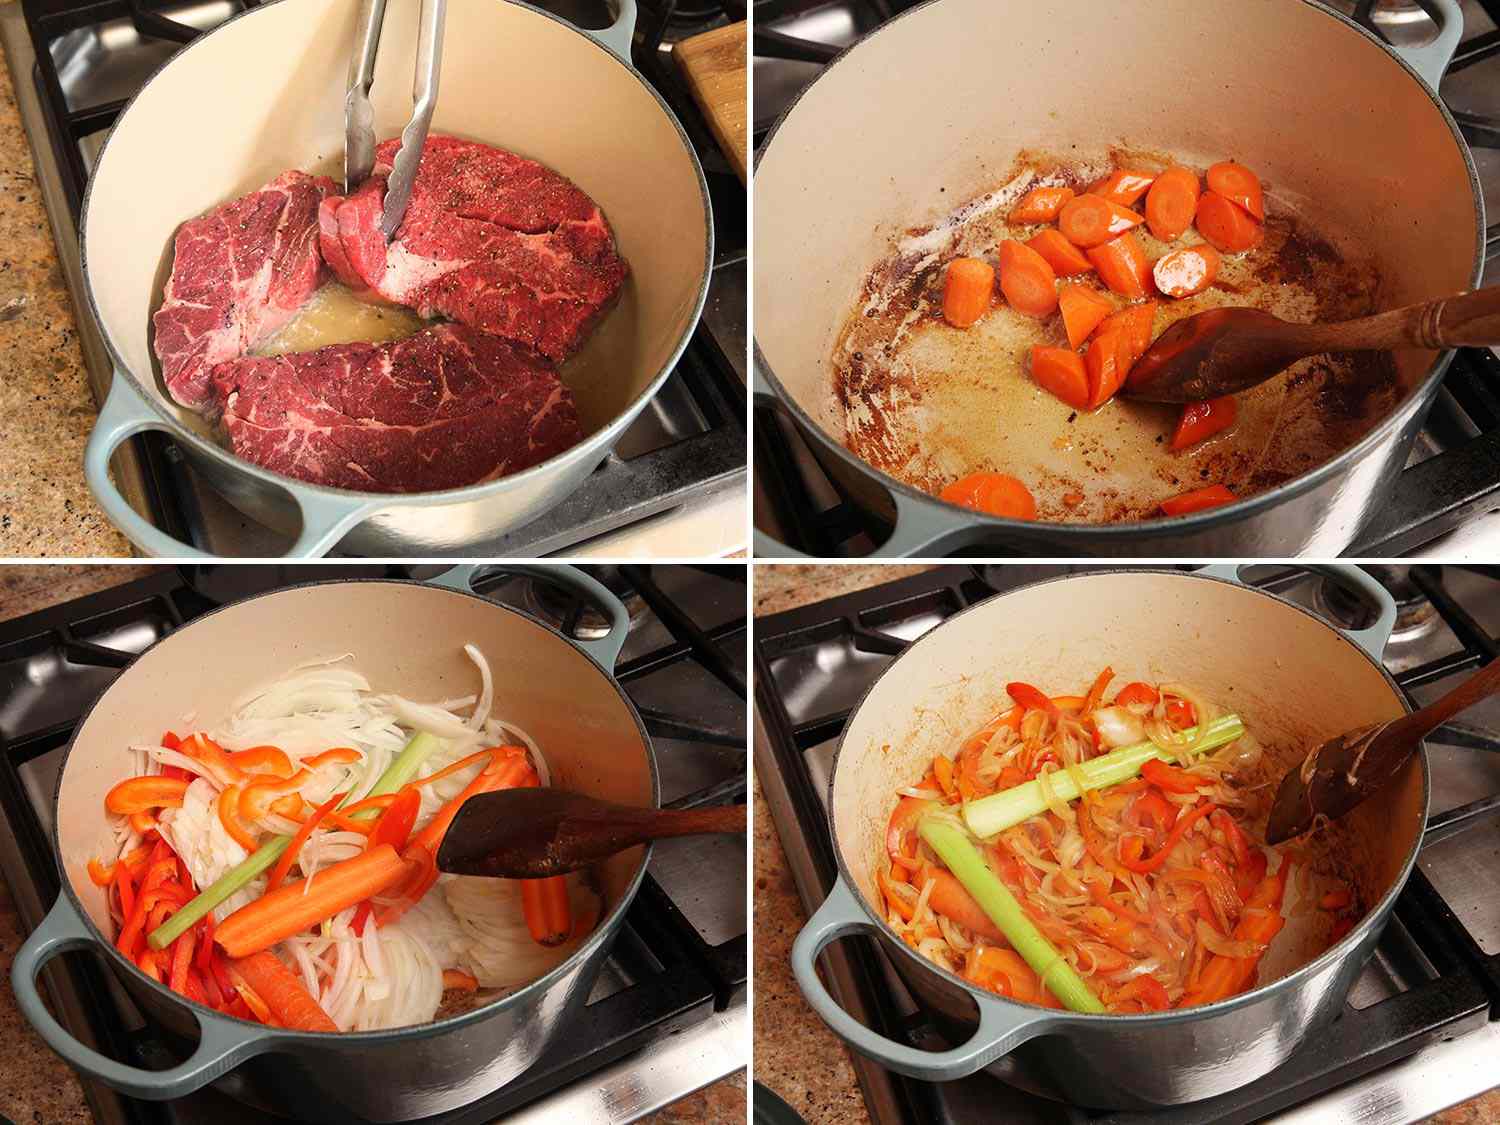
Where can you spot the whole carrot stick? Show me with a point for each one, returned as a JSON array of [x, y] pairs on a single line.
[[294, 907], [282, 992]]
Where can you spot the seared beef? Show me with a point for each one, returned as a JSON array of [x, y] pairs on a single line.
[[239, 273], [444, 408], [490, 239]]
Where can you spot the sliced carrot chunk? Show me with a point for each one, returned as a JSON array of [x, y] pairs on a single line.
[[1064, 258], [1124, 187], [1199, 498], [1061, 372], [1172, 202], [1082, 310], [1105, 373], [1090, 220], [1182, 273], [1135, 325], [1122, 265], [1041, 204], [967, 291], [1238, 184], [997, 494], [1201, 420], [1026, 279], [1226, 224]]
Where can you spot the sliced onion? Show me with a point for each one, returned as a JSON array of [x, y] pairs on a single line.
[[1215, 942], [1118, 727]]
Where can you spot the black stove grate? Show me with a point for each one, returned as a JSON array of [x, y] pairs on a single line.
[[1429, 499], [709, 456], [1464, 992], [678, 978]]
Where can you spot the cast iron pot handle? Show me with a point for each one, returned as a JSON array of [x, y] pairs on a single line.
[[325, 519], [1431, 60], [1003, 1026], [605, 649], [617, 36], [222, 1043], [1373, 639]]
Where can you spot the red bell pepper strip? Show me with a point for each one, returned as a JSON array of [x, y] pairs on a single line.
[[1163, 776], [1031, 698], [285, 860], [1130, 853]]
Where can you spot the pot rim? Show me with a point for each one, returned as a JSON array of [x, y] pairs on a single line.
[[1104, 535], [603, 932], [585, 449], [1374, 918]]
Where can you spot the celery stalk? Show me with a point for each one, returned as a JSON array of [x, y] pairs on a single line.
[[1009, 807], [956, 850], [397, 774]]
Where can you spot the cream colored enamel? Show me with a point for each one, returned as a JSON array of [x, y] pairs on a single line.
[[1363, 156], [266, 93], [404, 638], [1294, 680]]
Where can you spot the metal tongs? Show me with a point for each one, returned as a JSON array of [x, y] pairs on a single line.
[[359, 115]]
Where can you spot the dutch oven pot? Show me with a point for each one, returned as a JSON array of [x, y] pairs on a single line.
[[264, 92], [406, 637], [1294, 678], [946, 94]]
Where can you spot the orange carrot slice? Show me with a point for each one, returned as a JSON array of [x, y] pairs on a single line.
[[1105, 372], [1124, 187], [1122, 265], [1091, 220], [1199, 498], [1064, 258], [1182, 273], [967, 291], [1201, 420], [1082, 310], [1226, 224], [1135, 325], [294, 907], [1026, 279], [1041, 204], [1061, 373], [281, 990], [545, 905], [1172, 202], [996, 494], [1238, 184], [457, 978]]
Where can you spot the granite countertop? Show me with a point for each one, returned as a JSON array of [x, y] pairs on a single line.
[[795, 1053], [46, 407], [35, 1084]]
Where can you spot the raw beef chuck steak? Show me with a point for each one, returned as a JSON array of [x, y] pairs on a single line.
[[490, 239], [444, 408], [239, 273]]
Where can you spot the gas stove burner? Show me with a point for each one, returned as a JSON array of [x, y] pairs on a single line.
[[1416, 616], [557, 606]]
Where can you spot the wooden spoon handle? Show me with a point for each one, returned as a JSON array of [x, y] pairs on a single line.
[[1466, 320], [666, 823], [1481, 685]]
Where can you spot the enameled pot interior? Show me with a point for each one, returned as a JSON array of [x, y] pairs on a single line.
[[404, 638], [1293, 679], [266, 93], [1336, 127]]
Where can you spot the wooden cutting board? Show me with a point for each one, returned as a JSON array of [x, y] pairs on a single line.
[[714, 66]]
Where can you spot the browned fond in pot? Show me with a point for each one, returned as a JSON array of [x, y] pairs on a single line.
[[928, 403]]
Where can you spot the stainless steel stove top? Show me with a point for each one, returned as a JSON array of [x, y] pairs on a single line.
[[42, 689], [824, 678]]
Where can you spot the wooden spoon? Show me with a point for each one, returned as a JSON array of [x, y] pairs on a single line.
[[1345, 771], [1227, 350], [532, 833]]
